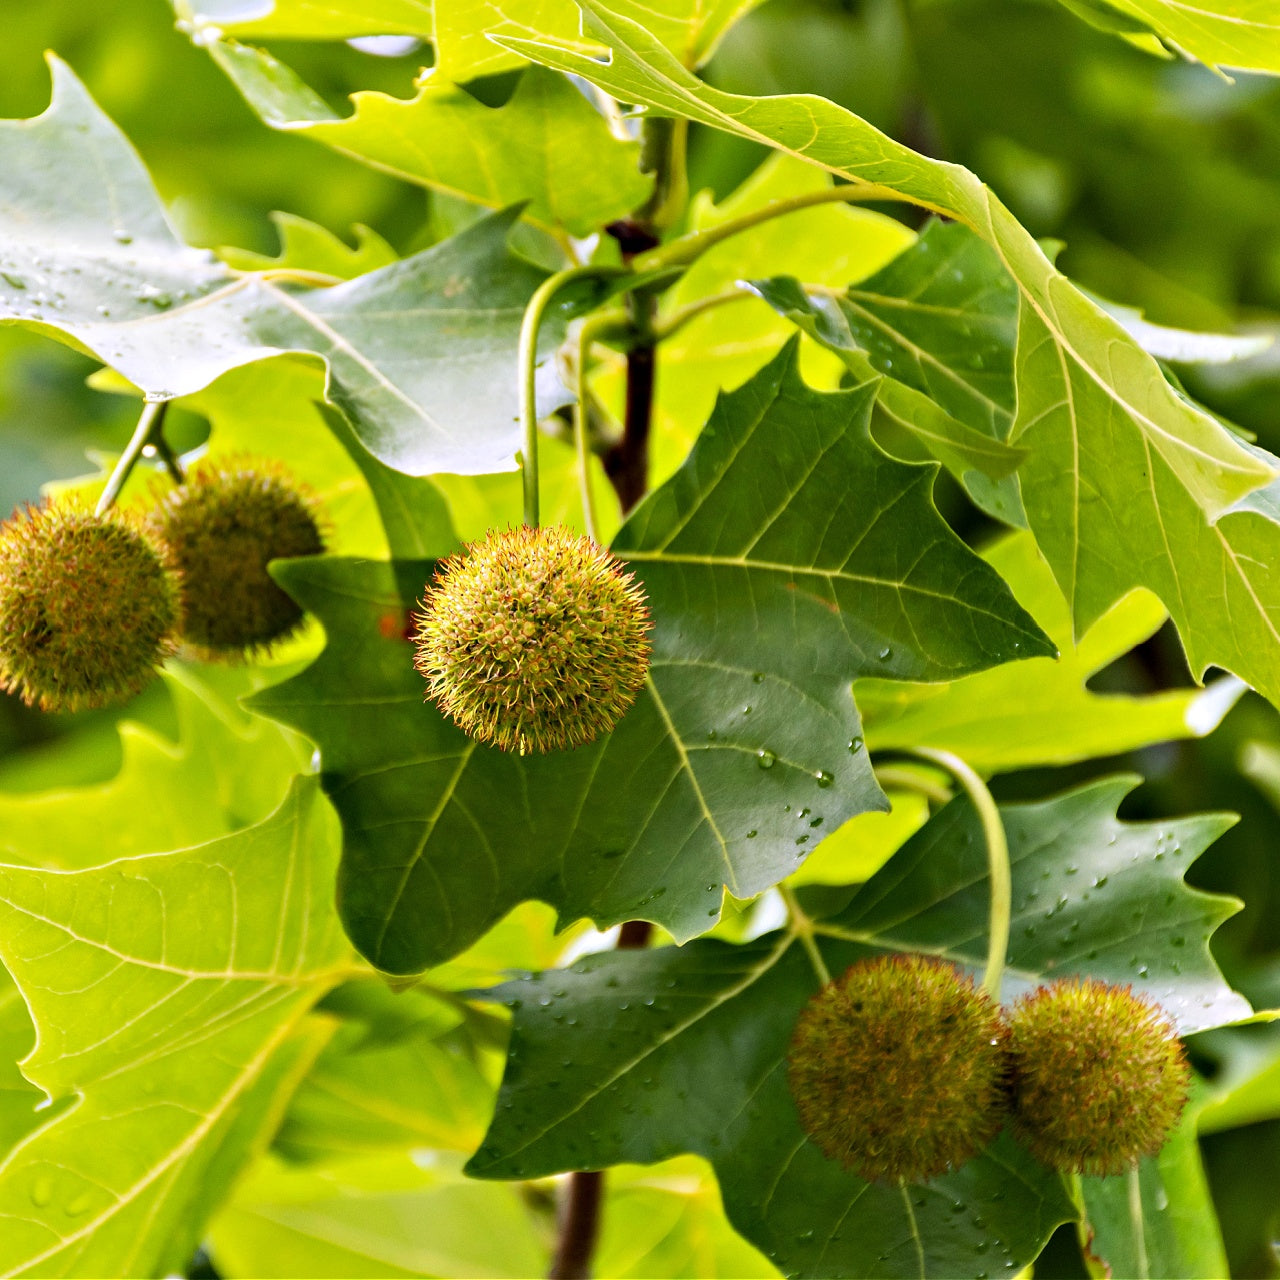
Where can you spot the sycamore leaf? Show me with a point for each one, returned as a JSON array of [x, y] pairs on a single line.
[[529, 149], [743, 750], [165, 990], [225, 771], [420, 354], [307, 246], [1242, 34], [374, 1217], [1094, 410], [1041, 712], [18, 1096], [1160, 1219], [305, 19], [684, 1049]]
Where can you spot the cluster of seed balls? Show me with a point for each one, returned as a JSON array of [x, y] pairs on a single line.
[[902, 1069], [91, 604]]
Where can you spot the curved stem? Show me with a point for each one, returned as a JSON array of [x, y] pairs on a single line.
[[591, 329], [150, 422], [681, 252], [678, 319], [527, 361], [888, 775], [1000, 876]]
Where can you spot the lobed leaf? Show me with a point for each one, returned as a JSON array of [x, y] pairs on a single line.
[[638, 1056], [744, 748], [1093, 408], [420, 354], [529, 149], [167, 992]]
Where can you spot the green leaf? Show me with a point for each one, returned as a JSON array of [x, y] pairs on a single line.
[[419, 1086], [745, 730], [226, 770], [305, 19], [1042, 712], [667, 1220], [374, 1217], [1243, 34], [684, 1049], [463, 29], [166, 990], [1094, 410], [420, 354], [1159, 1220], [306, 246], [18, 1096], [529, 149]]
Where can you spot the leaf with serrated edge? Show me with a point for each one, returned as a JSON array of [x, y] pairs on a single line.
[[740, 753], [1093, 408], [420, 354], [162, 988], [528, 149], [1042, 712], [684, 1049]]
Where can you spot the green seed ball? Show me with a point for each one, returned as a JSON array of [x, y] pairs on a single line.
[[87, 608], [897, 1069], [1099, 1077], [533, 640], [220, 529]]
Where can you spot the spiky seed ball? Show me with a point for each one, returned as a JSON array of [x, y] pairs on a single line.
[[1099, 1077], [534, 640], [220, 529], [897, 1069], [86, 608]]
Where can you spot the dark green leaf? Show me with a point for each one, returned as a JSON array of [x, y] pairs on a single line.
[[639, 1056], [743, 751]]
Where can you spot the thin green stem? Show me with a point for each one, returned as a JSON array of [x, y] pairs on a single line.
[[678, 319], [146, 432], [172, 463], [802, 927], [527, 360], [1000, 876], [592, 328], [663, 141], [888, 775], [1139, 1223], [688, 248]]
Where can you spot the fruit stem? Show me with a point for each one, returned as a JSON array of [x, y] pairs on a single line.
[[527, 360], [688, 248], [150, 422], [999, 875], [579, 1226], [591, 329]]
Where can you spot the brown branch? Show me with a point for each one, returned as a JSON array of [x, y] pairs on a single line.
[[579, 1227]]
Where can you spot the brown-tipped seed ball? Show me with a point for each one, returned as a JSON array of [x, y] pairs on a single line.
[[86, 608], [220, 529], [1099, 1077], [897, 1069], [534, 640]]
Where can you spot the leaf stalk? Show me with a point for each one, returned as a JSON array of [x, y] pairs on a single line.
[[147, 432]]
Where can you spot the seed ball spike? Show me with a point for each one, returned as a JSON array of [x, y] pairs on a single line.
[[533, 640], [897, 1069], [220, 529], [1099, 1077], [87, 608]]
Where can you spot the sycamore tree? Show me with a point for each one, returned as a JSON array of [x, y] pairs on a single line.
[[603, 730]]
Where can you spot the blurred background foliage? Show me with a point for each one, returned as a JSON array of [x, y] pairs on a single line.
[[1161, 179]]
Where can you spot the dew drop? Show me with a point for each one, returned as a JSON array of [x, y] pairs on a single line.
[[122, 236], [758, 678], [42, 1191], [885, 654], [765, 758], [855, 745], [16, 282], [712, 735], [823, 778], [751, 835], [79, 1204]]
